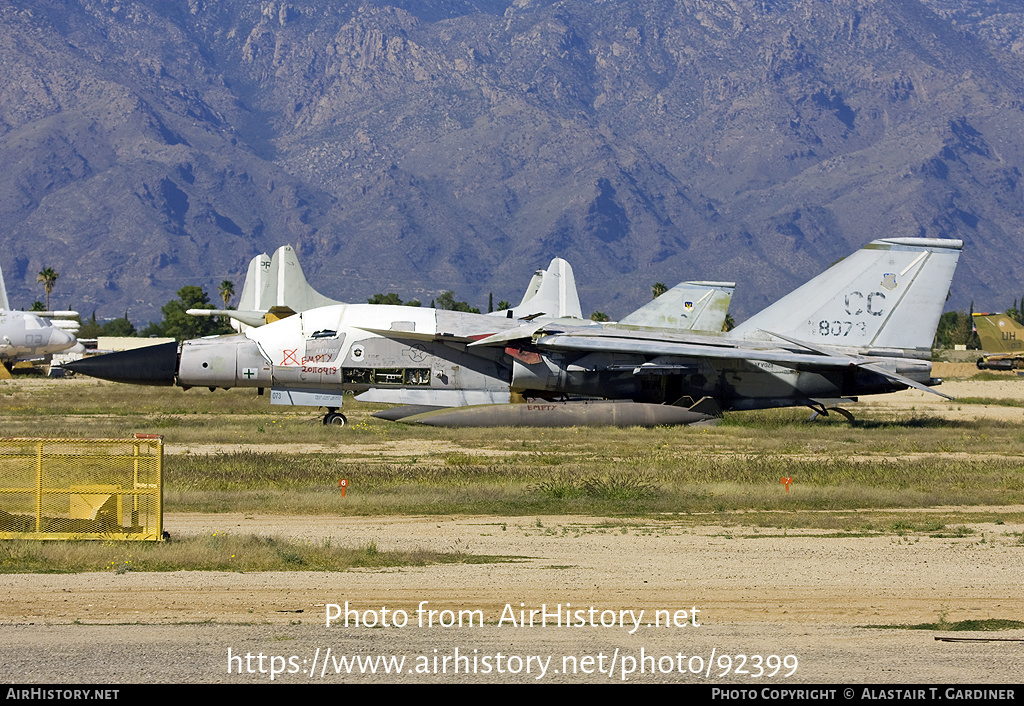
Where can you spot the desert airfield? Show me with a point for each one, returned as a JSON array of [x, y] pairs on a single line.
[[747, 604]]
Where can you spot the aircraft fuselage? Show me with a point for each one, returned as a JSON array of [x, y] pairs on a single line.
[[24, 335]]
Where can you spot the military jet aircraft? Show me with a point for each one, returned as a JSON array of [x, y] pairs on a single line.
[[28, 335], [864, 326], [1003, 339]]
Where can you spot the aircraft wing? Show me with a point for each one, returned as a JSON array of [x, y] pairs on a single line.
[[418, 335], [449, 327], [592, 344], [817, 358]]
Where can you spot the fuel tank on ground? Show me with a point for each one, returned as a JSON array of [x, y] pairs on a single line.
[[556, 414]]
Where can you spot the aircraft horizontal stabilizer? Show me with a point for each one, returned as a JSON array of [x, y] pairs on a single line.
[[902, 379], [866, 364], [249, 318], [60, 314]]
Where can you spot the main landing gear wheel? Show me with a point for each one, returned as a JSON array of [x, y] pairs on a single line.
[[334, 418]]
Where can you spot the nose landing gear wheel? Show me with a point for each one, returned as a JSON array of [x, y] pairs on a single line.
[[334, 418]]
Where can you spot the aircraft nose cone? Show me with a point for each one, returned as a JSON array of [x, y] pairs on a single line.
[[151, 365], [60, 337]]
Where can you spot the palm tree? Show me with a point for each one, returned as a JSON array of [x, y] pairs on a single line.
[[48, 276], [658, 289], [226, 290]]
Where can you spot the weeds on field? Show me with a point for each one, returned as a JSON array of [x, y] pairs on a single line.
[[294, 465], [944, 624], [666, 481], [214, 552], [626, 487]]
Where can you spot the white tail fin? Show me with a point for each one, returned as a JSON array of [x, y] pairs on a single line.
[[256, 280], [689, 306], [4, 304], [287, 285], [551, 294], [271, 283], [889, 294]]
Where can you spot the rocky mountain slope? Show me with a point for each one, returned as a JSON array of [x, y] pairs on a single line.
[[418, 146]]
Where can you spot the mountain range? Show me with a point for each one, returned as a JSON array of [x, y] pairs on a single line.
[[418, 146]]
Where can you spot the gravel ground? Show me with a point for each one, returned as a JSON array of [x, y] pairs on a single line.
[[820, 599]]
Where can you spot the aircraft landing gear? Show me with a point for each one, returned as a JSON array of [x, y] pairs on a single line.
[[823, 412], [334, 418]]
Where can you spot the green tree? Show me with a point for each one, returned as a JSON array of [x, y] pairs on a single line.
[[38, 306], [956, 328], [90, 328], [48, 276], [1016, 312], [599, 316], [180, 325], [446, 300], [658, 288], [392, 299], [226, 291], [503, 305], [119, 327]]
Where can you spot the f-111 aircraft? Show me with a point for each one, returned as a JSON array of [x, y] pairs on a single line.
[[865, 326]]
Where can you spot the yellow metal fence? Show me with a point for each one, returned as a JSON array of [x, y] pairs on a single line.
[[82, 488]]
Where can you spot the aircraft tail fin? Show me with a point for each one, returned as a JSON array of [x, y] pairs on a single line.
[[889, 294], [533, 287], [274, 283], [689, 306], [999, 333], [288, 286], [4, 304], [551, 293], [256, 281]]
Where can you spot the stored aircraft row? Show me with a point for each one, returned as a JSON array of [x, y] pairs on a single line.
[[28, 335], [865, 326]]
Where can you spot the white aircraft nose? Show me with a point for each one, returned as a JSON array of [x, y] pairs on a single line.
[[60, 337]]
